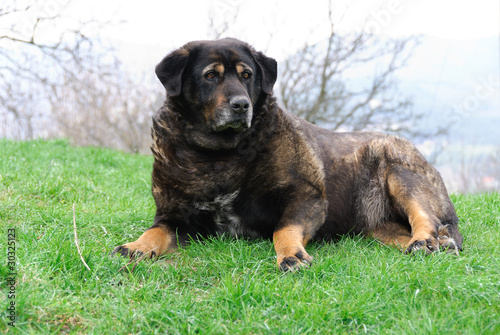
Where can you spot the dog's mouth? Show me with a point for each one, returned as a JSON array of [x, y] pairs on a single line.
[[234, 126]]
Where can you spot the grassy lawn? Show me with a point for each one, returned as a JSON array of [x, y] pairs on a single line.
[[222, 285]]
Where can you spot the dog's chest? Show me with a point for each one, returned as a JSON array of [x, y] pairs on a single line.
[[225, 217]]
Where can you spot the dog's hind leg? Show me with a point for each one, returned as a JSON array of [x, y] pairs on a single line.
[[423, 230], [392, 233], [417, 200]]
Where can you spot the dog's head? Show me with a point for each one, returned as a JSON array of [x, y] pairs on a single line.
[[218, 84]]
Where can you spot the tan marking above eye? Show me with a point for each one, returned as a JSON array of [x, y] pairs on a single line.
[[244, 70], [212, 70]]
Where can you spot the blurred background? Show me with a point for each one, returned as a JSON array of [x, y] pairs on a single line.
[[426, 70]]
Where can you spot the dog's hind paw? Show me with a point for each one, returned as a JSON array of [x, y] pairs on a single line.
[[428, 245], [447, 243]]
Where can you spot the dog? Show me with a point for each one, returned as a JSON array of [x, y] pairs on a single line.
[[228, 159]]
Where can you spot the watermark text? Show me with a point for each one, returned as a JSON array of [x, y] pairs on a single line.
[[11, 277]]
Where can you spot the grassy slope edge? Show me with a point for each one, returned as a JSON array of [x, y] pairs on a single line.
[[220, 285]]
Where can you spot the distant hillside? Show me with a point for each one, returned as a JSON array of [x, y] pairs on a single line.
[[458, 83]]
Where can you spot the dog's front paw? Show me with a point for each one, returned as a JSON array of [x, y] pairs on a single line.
[[301, 259], [135, 249], [154, 242]]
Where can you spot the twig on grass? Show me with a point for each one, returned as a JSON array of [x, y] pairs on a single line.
[[76, 239]]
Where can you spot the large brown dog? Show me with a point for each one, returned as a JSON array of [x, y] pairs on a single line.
[[228, 159]]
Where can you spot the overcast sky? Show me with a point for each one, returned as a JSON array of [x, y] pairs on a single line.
[[277, 27], [169, 24]]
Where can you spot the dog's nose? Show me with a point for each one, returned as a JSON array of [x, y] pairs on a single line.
[[239, 104]]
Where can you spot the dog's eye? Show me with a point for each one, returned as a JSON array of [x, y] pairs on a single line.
[[246, 75], [211, 75]]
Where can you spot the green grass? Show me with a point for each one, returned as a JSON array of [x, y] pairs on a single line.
[[221, 285]]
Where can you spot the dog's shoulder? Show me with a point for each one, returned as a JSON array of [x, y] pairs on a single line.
[[295, 152]]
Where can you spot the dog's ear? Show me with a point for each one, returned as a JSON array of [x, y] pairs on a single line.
[[170, 70], [269, 69]]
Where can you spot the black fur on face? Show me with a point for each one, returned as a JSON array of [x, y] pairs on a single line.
[[219, 87]]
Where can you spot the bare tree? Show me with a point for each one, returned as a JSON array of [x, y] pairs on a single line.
[[113, 113], [68, 84], [222, 17], [34, 55], [327, 84], [20, 109]]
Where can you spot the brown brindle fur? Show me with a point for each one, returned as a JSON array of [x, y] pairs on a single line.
[[227, 158]]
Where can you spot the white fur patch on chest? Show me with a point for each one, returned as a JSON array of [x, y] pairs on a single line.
[[224, 216]]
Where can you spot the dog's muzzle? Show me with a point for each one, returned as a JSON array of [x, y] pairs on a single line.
[[237, 116]]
